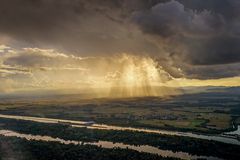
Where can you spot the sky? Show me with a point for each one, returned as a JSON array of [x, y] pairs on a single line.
[[133, 46]]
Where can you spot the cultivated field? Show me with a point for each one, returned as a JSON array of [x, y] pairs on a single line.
[[206, 112]]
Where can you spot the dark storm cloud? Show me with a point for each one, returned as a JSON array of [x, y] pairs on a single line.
[[180, 33], [196, 32], [227, 8], [170, 19], [204, 33], [85, 26], [212, 71], [217, 50]]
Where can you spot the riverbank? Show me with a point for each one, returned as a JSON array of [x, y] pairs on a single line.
[[81, 124], [107, 144], [174, 143]]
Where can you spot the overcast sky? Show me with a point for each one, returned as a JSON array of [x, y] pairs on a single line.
[[186, 39]]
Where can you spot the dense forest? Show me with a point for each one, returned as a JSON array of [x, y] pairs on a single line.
[[21, 149]]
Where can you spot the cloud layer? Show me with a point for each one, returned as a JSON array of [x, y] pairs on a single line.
[[34, 68], [192, 39]]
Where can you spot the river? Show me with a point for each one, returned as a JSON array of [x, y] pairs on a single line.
[[220, 138], [106, 144]]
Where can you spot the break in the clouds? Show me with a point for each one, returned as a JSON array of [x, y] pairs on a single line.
[[120, 75], [192, 39], [34, 68]]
